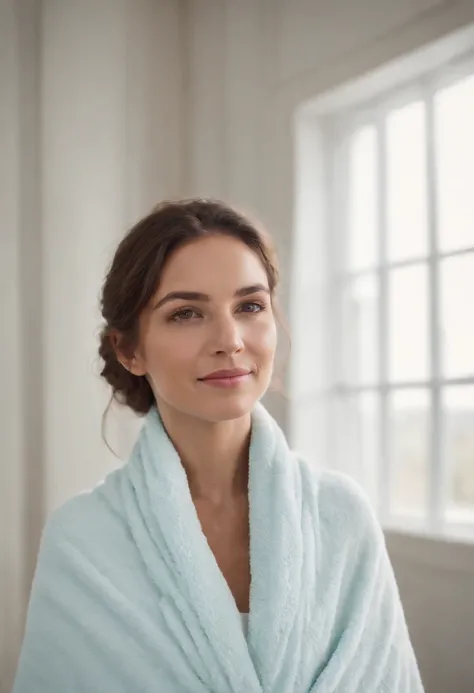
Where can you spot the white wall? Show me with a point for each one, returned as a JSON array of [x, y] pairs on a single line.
[[12, 593], [436, 582], [110, 144]]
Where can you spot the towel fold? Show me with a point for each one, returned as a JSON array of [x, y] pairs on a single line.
[[128, 597]]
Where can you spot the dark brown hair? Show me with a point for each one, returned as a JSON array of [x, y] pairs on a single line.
[[135, 274]]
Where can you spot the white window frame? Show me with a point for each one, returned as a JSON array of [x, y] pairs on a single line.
[[337, 129]]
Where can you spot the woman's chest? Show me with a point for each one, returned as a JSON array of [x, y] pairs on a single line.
[[227, 533]]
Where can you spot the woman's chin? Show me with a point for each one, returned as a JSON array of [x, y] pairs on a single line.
[[229, 405], [233, 408], [216, 406]]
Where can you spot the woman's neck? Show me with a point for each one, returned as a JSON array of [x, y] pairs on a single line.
[[214, 455]]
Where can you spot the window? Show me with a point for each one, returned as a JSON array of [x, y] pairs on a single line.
[[401, 296]]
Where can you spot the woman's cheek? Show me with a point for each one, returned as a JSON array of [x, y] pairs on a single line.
[[185, 345], [265, 337]]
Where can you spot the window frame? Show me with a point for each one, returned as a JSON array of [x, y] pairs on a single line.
[[338, 130]]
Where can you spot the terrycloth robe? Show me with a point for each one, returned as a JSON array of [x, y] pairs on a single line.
[[128, 597]]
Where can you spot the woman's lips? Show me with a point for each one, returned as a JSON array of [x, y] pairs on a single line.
[[226, 378]]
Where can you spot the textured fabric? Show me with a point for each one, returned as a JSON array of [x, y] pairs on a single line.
[[245, 623], [128, 597]]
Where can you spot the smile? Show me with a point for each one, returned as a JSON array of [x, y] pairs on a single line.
[[227, 379]]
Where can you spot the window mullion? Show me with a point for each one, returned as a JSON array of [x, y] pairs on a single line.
[[334, 308], [383, 336], [437, 448]]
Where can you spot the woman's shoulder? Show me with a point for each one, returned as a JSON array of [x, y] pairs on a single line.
[[340, 503], [341, 492], [91, 518]]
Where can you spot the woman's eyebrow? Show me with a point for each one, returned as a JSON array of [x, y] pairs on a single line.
[[253, 289], [198, 296], [182, 295]]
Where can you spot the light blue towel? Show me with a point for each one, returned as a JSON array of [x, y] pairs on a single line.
[[128, 597]]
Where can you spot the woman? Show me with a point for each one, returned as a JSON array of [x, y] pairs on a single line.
[[215, 560]]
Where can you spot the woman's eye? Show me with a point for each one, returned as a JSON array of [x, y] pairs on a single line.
[[252, 307], [184, 315]]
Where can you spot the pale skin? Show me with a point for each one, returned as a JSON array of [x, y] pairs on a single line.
[[227, 323]]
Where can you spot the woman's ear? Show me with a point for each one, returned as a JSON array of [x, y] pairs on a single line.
[[133, 364], [136, 366]]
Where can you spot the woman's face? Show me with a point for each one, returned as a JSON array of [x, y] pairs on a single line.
[[208, 337]]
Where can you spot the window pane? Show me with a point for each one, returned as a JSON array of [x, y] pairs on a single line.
[[409, 452], [363, 199], [454, 114], [458, 405], [406, 181], [360, 315], [408, 324], [457, 315], [358, 435]]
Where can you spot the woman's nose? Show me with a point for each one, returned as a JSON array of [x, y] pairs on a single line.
[[227, 337]]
